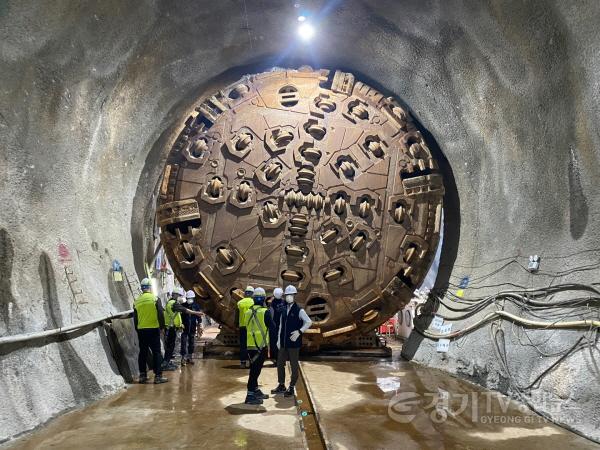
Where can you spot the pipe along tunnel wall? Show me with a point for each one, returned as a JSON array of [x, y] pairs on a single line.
[[93, 92]]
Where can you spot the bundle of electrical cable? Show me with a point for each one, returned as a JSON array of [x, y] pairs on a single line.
[[537, 303], [550, 308]]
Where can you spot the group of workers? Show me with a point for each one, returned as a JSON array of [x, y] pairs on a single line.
[[270, 328], [181, 314]]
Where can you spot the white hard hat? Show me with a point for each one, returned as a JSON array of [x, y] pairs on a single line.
[[249, 289], [259, 292], [146, 283], [290, 290], [190, 294], [277, 292], [179, 292]]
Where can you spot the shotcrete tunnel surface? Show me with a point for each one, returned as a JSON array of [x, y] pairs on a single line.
[[93, 96]]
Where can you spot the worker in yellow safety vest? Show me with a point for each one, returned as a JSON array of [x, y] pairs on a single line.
[[240, 319], [258, 322], [173, 324], [148, 319]]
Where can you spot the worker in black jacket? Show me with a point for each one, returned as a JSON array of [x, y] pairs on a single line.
[[276, 307], [190, 324], [292, 324]]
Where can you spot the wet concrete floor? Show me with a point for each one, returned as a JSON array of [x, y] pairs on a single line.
[[201, 406], [359, 405], [401, 405]]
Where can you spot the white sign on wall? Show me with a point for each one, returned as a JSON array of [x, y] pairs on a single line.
[[443, 345], [437, 322], [446, 329]]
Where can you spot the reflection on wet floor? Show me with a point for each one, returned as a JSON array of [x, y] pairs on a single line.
[[360, 405], [380, 405], [200, 407]]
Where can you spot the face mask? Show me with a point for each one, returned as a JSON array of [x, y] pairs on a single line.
[[289, 298], [259, 300]]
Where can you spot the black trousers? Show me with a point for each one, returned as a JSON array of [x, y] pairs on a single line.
[[255, 367], [243, 344], [293, 354], [170, 344], [149, 339], [273, 344], [187, 342]]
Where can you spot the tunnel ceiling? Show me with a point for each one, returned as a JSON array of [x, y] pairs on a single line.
[[308, 178]]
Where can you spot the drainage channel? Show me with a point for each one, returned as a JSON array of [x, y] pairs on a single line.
[[308, 415]]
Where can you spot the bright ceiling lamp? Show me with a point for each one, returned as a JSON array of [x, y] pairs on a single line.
[[306, 31]]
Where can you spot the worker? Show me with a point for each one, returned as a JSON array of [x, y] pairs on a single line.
[[292, 324], [242, 306], [276, 308], [190, 323], [149, 320], [174, 324], [258, 323]]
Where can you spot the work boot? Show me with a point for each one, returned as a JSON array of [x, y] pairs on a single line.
[[170, 367], [252, 399], [160, 379], [190, 361], [290, 392], [280, 389], [259, 394], [183, 362], [143, 378]]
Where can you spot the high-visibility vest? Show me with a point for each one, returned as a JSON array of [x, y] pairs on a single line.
[[147, 314], [243, 306], [172, 319], [256, 330]]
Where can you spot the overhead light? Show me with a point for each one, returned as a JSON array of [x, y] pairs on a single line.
[[306, 31], [301, 18]]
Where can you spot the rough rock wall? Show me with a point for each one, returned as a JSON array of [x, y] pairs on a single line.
[[89, 90]]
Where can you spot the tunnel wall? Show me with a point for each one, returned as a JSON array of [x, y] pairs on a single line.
[[89, 92]]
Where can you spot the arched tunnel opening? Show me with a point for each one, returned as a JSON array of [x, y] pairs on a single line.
[[305, 177], [336, 147]]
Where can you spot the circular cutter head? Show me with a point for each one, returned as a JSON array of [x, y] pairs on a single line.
[[308, 178]]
